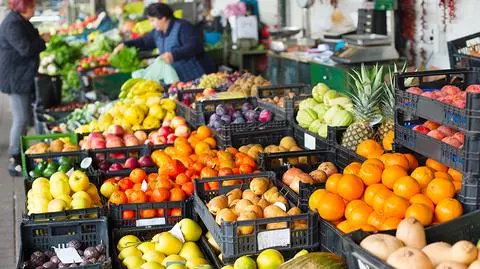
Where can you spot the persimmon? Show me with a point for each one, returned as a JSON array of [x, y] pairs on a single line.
[[118, 197], [188, 188], [359, 215], [182, 178], [138, 175], [137, 196], [148, 213], [125, 184], [160, 195], [176, 194], [128, 214], [198, 167]]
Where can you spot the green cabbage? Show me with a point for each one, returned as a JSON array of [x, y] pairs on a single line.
[[307, 103], [318, 91], [320, 109], [315, 125], [341, 118], [323, 130], [306, 117], [329, 95]]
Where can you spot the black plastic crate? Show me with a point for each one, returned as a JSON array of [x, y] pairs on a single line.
[[465, 119], [469, 194], [233, 245], [466, 227], [237, 135], [117, 154], [309, 140], [75, 158], [279, 163], [44, 236], [458, 51], [282, 91]]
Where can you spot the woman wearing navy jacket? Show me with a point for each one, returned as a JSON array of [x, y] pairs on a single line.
[[20, 47], [178, 42]]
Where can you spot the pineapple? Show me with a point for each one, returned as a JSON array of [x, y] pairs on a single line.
[[387, 105], [366, 95]]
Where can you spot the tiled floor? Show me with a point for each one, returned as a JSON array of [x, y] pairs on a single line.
[[12, 196]]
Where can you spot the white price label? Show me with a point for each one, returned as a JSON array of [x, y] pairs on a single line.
[[69, 172], [144, 186], [68, 255], [86, 163], [177, 232], [276, 238], [281, 205], [362, 265], [150, 222], [309, 141]]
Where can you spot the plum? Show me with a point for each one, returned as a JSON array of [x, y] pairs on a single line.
[[251, 116], [227, 119], [91, 252], [220, 110], [76, 244], [214, 117], [265, 116], [230, 111], [246, 107]]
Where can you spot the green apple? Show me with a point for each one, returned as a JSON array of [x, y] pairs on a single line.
[[59, 176], [173, 258], [195, 262], [152, 265], [190, 250], [129, 251], [107, 189], [127, 241], [190, 229], [269, 259], [57, 205], [65, 197], [133, 262], [80, 203], [40, 183], [153, 256], [168, 244], [59, 187], [145, 246], [84, 195], [78, 181], [39, 205], [245, 262]]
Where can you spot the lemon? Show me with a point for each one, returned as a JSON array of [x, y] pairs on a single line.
[[156, 111], [151, 122]]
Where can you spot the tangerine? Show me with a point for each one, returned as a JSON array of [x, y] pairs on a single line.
[[332, 182], [374, 161], [138, 196], [352, 168], [371, 191], [176, 212], [448, 209], [422, 199], [437, 166], [315, 198], [395, 206], [232, 150], [375, 219], [391, 174], [188, 188], [148, 213], [184, 149], [397, 159], [368, 228], [379, 199], [345, 227], [203, 132], [138, 175], [406, 187], [331, 207], [176, 194], [390, 223], [445, 175], [359, 215], [182, 178], [457, 176], [211, 142], [118, 197], [420, 212], [350, 187], [125, 184], [439, 189], [458, 185], [370, 174], [352, 205], [369, 146], [193, 140], [412, 161], [423, 175]]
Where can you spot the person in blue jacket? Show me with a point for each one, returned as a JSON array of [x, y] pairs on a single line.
[[178, 42]]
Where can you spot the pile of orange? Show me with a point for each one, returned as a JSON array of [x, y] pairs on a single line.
[[378, 193]]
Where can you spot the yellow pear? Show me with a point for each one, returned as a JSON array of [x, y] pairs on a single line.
[[129, 251], [190, 250], [146, 246]]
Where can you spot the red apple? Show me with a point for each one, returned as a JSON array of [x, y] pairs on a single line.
[[171, 138], [141, 136], [165, 131], [452, 141], [131, 163], [115, 142], [450, 90], [182, 131], [475, 88], [146, 161], [131, 141], [436, 134], [115, 167], [178, 121], [116, 130], [421, 129], [460, 137], [94, 135], [98, 144], [414, 90], [166, 123], [158, 139], [431, 125]]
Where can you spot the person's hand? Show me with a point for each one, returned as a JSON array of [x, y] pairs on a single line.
[[167, 57], [118, 48]]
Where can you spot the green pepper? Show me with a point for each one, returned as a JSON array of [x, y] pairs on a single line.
[[34, 174], [64, 160], [40, 167], [48, 173], [52, 166], [64, 168]]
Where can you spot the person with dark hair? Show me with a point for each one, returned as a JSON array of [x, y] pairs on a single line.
[[20, 47], [178, 42]]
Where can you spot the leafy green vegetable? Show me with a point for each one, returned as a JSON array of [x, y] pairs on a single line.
[[126, 60], [305, 117], [99, 46]]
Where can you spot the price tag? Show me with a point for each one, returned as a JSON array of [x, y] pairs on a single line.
[[281, 205], [144, 186], [85, 80], [68, 255], [150, 222], [177, 232], [309, 141], [86, 163], [362, 265], [276, 238], [69, 172]]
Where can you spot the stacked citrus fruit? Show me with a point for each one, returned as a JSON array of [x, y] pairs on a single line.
[[378, 193]]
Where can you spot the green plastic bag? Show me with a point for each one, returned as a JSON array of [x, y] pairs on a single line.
[[158, 71]]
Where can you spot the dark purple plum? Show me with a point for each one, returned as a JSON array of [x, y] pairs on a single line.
[[101, 248], [91, 252], [237, 114], [251, 116], [246, 107], [49, 265], [238, 120], [227, 119], [76, 244], [220, 110], [27, 265], [214, 117], [49, 253]]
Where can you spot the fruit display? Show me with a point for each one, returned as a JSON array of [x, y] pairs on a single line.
[[62, 192], [227, 114], [441, 132], [287, 144], [408, 247], [93, 62], [377, 194], [65, 107], [90, 255], [189, 98], [448, 94], [278, 100], [293, 176], [77, 27], [166, 249], [247, 84], [57, 145], [214, 80], [326, 108], [81, 116], [48, 168]]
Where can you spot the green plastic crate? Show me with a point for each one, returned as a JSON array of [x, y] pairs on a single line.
[[109, 85], [27, 141]]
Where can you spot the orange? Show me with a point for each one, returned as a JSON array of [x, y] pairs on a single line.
[[420, 212], [384, 158], [359, 215], [387, 141], [391, 174], [138, 175], [314, 199], [352, 205], [203, 132], [390, 223], [332, 182], [412, 161], [437, 166], [211, 141], [371, 191], [193, 140], [345, 227], [457, 176], [375, 219], [369, 146], [368, 228], [202, 147], [160, 195], [137, 186], [423, 175], [188, 188], [137, 196], [458, 185], [148, 213], [176, 194], [128, 214], [448, 209], [180, 140], [370, 174], [445, 175], [379, 199], [374, 161], [171, 151], [406, 187], [397, 159], [118, 197], [184, 149], [182, 178], [439, 189], [331, 207], [395, 206], [352, 168], [350, 187], [422, 199]]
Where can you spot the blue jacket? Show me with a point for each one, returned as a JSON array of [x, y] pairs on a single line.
[[181, 39], [20, 47]]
